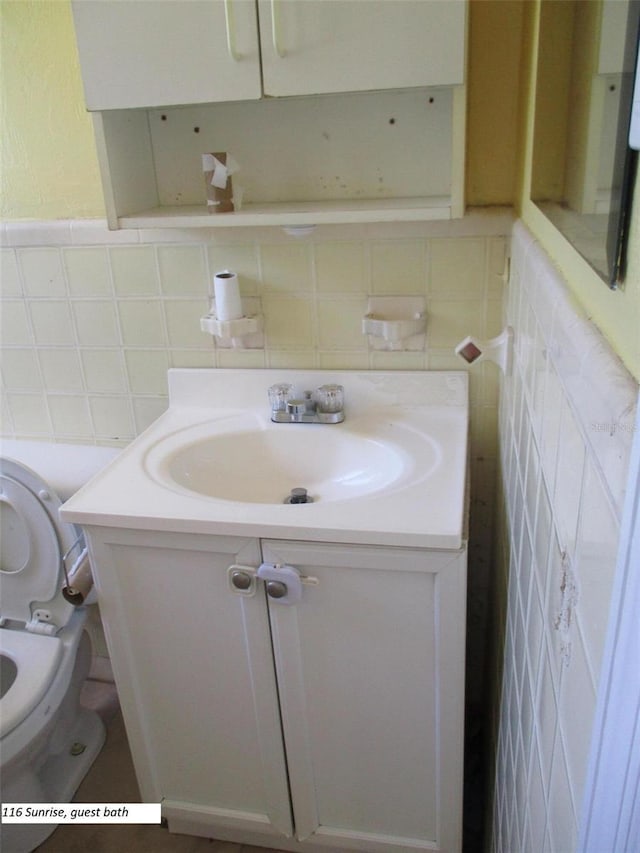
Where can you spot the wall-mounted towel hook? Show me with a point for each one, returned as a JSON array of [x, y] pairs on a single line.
[[498, 349]]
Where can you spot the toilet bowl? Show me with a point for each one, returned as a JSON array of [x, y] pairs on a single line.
[[47, 740]]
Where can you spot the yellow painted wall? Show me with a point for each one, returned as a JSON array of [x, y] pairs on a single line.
[[493, 98], [552, 102], [48, 161]]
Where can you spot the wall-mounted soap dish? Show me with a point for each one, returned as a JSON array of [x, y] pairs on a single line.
[[395, 322]]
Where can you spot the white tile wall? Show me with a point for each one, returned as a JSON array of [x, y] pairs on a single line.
[[566, 421]]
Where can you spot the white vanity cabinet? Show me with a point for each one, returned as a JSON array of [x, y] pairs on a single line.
[[375, 131], [333, 723]]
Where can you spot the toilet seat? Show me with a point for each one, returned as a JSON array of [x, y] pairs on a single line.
[[37, 658], [33, 541]]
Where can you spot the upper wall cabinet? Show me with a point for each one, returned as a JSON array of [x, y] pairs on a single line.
[[147, 54], [170, 80]]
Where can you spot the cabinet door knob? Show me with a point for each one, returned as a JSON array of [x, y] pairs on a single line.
[[241, 580], [276, 589], [283, 583]]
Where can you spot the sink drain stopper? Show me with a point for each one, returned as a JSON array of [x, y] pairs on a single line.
[[298, 496]]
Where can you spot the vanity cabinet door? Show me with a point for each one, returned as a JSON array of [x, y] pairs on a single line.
[[317, 46], [195, 677], [146, 53], [370, 668]]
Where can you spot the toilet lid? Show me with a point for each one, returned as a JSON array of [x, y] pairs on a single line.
[[33, 541]]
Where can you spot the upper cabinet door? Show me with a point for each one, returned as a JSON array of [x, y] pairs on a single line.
[[146, 53], [317, 46]]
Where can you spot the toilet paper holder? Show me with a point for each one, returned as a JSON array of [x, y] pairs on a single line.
[[78, 586], [231, 319], [499, 350], [242, 333]]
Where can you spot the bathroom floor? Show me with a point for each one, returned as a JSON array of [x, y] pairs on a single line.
[[112, 779]]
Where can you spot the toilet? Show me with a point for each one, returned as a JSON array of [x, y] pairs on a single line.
[[47, 740]]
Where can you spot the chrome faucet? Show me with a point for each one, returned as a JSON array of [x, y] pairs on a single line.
[[324, 406]]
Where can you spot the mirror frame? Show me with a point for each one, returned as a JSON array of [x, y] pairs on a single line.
[[551, 132], [626, 159]]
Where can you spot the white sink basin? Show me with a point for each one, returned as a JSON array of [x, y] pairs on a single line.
[[243, 459], [393, 473]]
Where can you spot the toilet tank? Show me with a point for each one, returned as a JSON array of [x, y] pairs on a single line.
[[65, 467]]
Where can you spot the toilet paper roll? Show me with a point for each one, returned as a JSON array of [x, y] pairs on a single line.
[[226, 290], [218, 169]]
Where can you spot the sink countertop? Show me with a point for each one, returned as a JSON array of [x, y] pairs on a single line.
[[428, 512]]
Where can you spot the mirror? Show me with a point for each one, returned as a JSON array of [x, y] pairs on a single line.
[[583, 169]]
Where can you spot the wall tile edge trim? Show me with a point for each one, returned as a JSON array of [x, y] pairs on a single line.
[[481, 222]]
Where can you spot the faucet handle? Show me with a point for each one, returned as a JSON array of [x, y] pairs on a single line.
[[330, 398], [279, 396]]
